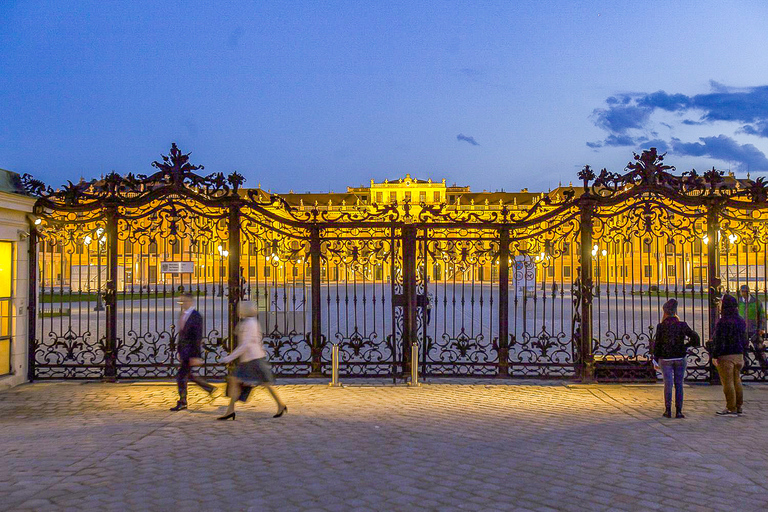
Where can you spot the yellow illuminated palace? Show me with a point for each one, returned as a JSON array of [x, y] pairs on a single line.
[[648, 259]]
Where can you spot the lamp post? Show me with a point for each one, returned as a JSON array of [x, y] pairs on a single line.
[[100, 242]]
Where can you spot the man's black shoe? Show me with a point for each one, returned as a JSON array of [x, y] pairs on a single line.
[[179, 407]]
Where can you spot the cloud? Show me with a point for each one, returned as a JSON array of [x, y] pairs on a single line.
[[746, 157], [618, 118], [628, 120], [471, 140]]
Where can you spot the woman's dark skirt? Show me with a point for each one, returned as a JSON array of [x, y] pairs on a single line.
[[253, 373]]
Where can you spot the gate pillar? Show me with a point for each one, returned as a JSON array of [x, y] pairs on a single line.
[[234, 272], [713, 279], [586, 359], [504, 302], [32, 304], [409, 290], [110, 297], [314, 260]]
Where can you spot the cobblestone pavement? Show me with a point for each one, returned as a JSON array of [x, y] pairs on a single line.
[[443, 446]]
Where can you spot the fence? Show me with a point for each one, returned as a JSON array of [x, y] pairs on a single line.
[[543, 290]]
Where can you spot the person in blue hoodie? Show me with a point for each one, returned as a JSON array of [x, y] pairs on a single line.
[[670, 349], [728, 345]]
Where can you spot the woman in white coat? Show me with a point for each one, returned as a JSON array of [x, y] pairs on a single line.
[[252, 368]]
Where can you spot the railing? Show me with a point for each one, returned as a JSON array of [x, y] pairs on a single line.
[[398, 288]]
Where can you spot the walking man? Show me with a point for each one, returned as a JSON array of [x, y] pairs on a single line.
[[189, 348], [751, 310]]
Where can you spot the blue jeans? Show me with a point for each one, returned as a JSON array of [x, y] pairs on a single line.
[[673, 372]]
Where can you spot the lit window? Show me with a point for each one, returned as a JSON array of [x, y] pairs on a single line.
[[6, 309]]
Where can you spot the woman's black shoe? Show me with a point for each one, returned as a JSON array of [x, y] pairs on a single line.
[[281, 412], [228, 416], [667, 414], [680, 415], [178, 407]]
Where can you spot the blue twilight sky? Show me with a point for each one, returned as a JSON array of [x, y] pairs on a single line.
[[315, 96]]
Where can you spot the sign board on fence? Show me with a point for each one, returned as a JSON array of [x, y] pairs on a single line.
[[525, 274], [177, 267]]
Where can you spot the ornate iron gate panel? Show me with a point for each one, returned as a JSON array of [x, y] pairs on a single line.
[[456, 296], [536, 290], [71, 316], [362, 293]]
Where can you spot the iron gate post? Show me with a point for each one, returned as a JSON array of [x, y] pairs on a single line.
[[586, 358], [314, 259], [32, 303], [504, 302], [233, 268], [713, 279], [409, 290], [110, 296]]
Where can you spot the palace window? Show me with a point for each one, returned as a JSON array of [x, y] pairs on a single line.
[[392, 197], [379, 197], [422, 197], [6, 305], [436, 197], [647, 246], [647, 271]]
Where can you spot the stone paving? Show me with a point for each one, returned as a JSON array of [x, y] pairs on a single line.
[[473, 445]]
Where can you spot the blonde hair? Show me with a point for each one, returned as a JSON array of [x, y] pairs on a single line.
[[246, 309]]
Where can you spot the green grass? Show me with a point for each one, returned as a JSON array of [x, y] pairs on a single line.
[[696, 294], [57, 298]]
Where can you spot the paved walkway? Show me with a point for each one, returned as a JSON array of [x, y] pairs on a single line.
[[511, 446]]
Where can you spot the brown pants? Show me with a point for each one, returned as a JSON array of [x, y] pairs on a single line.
[[729, 368]]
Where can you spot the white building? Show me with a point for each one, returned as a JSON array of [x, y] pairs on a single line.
[[15, 214]]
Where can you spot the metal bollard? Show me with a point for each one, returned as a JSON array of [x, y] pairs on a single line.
[[414, 365], [335, 366]]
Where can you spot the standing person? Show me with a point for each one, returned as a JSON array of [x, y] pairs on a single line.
[[751, 310], [670, 350], [252, 368], [189, 348], [728, 345]]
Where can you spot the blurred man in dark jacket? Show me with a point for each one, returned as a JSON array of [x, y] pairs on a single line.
[[188, 345]]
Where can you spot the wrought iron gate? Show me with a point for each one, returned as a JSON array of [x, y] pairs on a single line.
[[535, 290]]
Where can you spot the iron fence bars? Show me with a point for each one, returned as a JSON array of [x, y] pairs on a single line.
[[69, 314], [361, 292], [544, 320], [157, 243], [742, 237], [534, 290], [277, 278], [457, 289], [646, 251]]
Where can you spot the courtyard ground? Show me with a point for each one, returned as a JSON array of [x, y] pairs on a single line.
[[447, 445]]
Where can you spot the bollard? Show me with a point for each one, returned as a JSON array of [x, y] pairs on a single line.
[[414, 365], [334, 366]]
